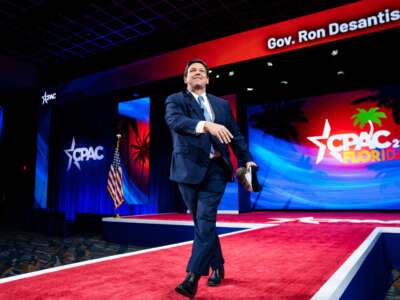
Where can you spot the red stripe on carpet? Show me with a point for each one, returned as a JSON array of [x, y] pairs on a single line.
[[289, 261]]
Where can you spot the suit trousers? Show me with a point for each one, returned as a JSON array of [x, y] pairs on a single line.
[[202, 201]]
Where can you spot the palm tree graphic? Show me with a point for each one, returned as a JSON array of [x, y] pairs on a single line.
[[388, 97], [371, 116]]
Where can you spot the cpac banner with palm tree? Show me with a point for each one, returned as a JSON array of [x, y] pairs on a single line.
[[336, 151]]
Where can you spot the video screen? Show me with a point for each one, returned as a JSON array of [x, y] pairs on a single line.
[[336, 151], [134, 127]]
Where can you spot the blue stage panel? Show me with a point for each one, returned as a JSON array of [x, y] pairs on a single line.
[[367, 273], [152, 233], [374, 276]]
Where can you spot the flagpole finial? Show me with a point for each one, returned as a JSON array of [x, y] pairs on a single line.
[[118, 137]]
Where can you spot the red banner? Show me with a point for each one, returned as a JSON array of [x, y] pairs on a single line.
[[339, 23], [343, 22]]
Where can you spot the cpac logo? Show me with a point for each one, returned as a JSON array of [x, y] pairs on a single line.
[[46, 98], [350, 147], [82, 154]]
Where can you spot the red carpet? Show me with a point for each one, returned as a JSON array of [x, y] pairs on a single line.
[[289, 261], [264, 217]]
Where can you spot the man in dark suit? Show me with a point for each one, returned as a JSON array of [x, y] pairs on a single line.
[[202, 126]]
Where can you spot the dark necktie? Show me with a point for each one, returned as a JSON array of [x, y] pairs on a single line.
[[206, 116]]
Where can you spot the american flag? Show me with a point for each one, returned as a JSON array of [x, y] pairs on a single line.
[[114, 184]]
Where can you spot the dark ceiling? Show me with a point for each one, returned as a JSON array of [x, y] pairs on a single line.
[[67, 39]]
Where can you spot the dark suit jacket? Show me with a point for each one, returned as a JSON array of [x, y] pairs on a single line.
[[191, 152]]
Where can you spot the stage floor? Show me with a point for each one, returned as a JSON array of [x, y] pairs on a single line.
[[263, 217], [275, 255]]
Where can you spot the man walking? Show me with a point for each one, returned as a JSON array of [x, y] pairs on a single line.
[[202, 126]]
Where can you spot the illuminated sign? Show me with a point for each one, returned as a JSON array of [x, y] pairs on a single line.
[[46, 98], [333, 151], [77, 155], [343, 22], [335, 28], [372, 146]]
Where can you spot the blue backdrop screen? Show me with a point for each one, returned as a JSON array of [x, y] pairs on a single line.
[[82, 142], [1, 123], [42, 158], [82, 137], [337, 151]]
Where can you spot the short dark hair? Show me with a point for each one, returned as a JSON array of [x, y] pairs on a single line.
[[193, 61]]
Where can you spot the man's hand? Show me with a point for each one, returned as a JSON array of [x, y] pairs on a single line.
[[250, 164], [219, 131]]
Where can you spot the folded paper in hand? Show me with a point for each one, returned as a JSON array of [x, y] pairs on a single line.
[[248, 179]]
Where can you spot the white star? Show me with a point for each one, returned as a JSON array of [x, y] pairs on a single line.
[[70, 156], [322, 147], [45, 99]]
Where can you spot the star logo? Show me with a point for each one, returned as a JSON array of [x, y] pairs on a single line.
[[83, 154], [46, 98], [322, 147], [70, 153]]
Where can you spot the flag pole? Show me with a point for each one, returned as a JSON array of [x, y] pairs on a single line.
[[116, 208], [117, 215]]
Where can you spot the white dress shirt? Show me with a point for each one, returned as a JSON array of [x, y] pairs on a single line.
[[200, 125]]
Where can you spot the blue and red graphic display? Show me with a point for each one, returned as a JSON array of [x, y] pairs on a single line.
[[134, 126], [337, 151]]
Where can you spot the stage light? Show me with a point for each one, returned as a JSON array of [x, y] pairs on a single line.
[[284, 82], [209, 71], [217, 76], [335, 52], [270, 64], [250, 89], [231, 73], [339, 73], [135, 95]]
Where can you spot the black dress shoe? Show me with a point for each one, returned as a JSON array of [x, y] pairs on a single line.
[[216, 277], [188, 287]]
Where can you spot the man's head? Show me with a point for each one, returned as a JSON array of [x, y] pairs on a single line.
[[196, 75]]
